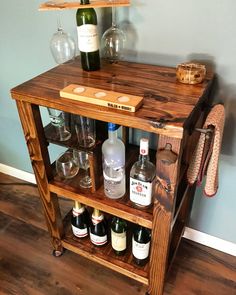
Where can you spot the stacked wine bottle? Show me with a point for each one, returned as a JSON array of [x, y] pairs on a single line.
[[97, 228]]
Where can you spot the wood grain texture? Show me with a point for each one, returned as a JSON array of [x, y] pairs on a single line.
[[167, 107], [36, 143], [105, 255], [121, 207], [28, 268], [166, 189], [76, 5]]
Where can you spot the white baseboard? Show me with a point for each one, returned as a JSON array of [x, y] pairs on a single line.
[[190, 234], [17, 173], [210, 241]]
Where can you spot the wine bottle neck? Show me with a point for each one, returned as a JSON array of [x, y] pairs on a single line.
[[83, 2], [77, 205], [97, 216], [96, 212]]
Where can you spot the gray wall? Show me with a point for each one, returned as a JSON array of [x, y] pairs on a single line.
[[159, 32]]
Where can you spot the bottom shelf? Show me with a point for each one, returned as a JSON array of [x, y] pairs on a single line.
[[104, 255]]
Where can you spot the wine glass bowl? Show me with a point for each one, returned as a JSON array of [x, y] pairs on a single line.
[[113, 41], [82, 159], [113, 44], [66, 165], [85, 131], [62, 47]]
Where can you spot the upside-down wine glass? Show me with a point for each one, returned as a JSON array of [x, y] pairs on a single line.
[[62, 45], [113, 41]]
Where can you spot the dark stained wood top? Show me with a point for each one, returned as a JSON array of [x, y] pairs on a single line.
[[168, 104]]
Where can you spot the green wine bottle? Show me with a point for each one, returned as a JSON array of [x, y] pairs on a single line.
[[88, 42], [118, 235]]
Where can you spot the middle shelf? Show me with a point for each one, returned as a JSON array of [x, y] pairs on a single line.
[[120, 207]]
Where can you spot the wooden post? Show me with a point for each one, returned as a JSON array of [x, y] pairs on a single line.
[[164, 203], [37, 147]]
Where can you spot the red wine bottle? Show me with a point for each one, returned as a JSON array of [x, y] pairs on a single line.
[[98, 228], [141, 245], [79, 220], [88, 41]]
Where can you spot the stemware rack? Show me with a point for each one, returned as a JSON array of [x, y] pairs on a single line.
[[75, 5], [170, 111]]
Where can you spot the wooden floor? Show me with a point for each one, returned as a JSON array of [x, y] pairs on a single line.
[[27, 266]]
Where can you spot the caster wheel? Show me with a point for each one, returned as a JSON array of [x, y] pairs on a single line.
[[57, 253]]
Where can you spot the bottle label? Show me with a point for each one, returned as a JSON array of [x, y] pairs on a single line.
[[115, 186], [143, 147], [140, 251], [88, 38], [97, 219], [79, 232], [118, 241], [98, 240], [57, 121], [76, 212], [141, 192]]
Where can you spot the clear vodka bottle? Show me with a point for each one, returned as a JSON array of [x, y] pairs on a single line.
[[113, 151]]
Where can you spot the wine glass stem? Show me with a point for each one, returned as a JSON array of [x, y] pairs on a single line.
[[59, 20], [86, 175], [113, 10]]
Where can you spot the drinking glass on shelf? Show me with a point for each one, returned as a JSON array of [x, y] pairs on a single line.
[[62, 46], [66, 165], [82, 158], [85, 130], [113, 41], [59, 120]]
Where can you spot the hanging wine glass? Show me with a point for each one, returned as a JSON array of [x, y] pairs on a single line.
[[113, 41], [62, 45]]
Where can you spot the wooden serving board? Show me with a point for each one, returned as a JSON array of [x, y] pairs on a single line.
[[111, 99]]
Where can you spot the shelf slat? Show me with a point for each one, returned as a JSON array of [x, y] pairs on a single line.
[[75, 5], [121, 207], [104, 255]]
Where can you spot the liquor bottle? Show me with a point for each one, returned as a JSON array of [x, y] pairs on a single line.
[[98, 229], [79, 220], [113, 151], [142, 176], [88, 41], [141, 245], [118, 235]]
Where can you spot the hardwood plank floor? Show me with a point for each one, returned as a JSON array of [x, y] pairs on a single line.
[[28, 268]]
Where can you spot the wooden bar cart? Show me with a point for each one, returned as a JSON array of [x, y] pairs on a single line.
[[171, 111]]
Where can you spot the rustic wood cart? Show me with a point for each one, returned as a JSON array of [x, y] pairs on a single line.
[[171, 111]]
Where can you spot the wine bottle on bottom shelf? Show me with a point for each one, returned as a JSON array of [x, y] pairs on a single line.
[[118, 235], [79, 220], [142, 175], [141, 245], [98, 228], [88, 41]]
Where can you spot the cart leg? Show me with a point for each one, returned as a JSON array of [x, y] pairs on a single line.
[[37, 147], [164, 203]]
